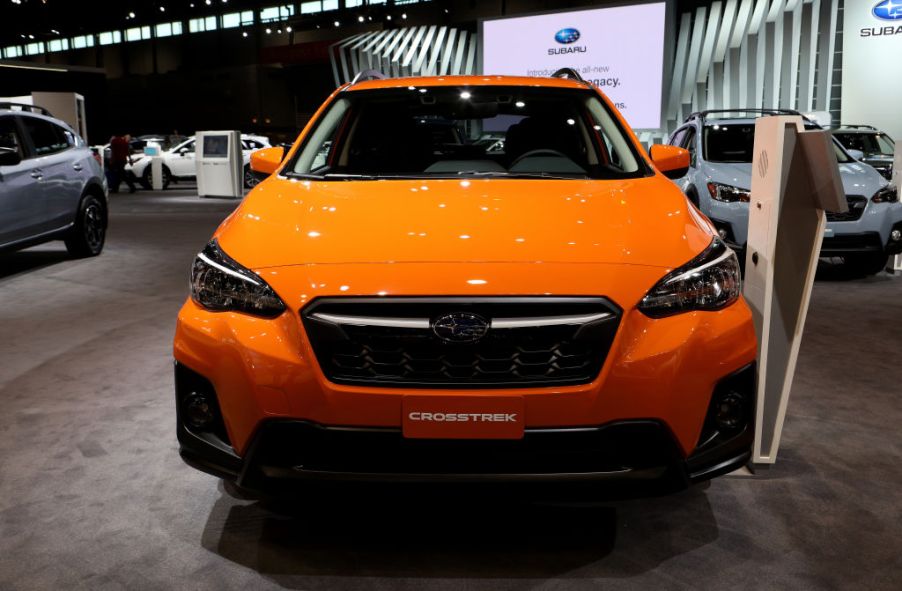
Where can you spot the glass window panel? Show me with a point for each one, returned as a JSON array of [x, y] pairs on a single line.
[[58, 45], [231, 20], [109, 37], [247, 17], [34, 48], [83, 41], [330, 4], [310, 7], [12, 51]]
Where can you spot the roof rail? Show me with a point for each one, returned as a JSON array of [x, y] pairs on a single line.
[[568, 74], [363, 75], [704, 114], [841, 126], [24, 107]]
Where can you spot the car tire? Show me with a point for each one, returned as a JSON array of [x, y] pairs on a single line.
[[147, 182], [251, 180], [88, 235], [866, 264]]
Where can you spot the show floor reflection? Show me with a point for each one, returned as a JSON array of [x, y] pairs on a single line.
[[472, 532]]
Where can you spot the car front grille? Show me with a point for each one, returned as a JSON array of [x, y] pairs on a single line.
[[857, 203], [529, 342]]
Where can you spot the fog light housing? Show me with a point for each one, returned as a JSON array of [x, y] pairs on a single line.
[[730, 412], [197, 406], [198, 411], [895, 235]]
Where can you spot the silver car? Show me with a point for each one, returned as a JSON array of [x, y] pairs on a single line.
[[719, 180], [51, 186]]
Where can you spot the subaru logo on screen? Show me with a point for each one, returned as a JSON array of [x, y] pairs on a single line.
[[570, 35], [888, 10], [460, 327]]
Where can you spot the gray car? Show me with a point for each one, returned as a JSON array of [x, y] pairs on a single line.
[[719, 180], [51, 186], [876, 147]]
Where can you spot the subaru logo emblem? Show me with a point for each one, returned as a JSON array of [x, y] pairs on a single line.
[[570, 35], [460, 327], [888, 10]]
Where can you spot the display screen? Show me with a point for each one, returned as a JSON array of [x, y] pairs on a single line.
[[619, 49], [216, 146]]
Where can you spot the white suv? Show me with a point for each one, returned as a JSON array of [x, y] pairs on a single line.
[[179, 162]]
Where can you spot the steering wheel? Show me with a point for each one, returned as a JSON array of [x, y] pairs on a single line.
[[539, 152]]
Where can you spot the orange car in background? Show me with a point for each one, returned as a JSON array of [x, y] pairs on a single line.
[[394, 303]]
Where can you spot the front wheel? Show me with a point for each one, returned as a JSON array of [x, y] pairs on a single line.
[[251, 180], [87, 236], [147, 179], [866, 264]]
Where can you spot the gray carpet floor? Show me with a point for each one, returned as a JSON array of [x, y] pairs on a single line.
[[94, 496]]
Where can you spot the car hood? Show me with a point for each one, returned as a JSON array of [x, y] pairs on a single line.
[[643, 221], [857, 178]]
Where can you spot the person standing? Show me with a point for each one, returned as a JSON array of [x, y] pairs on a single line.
[[120, 155]]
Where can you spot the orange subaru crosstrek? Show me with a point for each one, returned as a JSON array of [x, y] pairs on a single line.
[[465, 278]]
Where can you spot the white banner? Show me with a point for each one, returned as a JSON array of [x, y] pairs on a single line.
[[872, 65], [620, 49]]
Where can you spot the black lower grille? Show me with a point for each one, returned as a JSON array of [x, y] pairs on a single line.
[[282, 447], [856, 203], [539, 341]]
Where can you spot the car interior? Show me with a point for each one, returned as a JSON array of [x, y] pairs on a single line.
[[440, 132]]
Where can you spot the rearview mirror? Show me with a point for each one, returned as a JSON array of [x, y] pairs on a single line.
[[9, 157], [673, 162], [267, 160]]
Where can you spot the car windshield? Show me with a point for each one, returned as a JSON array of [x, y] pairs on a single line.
[[734, 142], [869, 143], [449, 131]]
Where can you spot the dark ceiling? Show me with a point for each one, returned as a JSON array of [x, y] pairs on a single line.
[[48, 19]]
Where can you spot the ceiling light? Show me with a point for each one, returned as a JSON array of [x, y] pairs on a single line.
[[131, 15], [244, 34], [388, 17], [288, 29], [360, 19], [162, 9], [268, 30], [336, 23], [465, 95], [403, 15]]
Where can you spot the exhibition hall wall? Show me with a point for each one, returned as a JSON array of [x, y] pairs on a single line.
[[872, 64]]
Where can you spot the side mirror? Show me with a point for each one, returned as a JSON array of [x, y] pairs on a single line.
[[673, 162], [856, 154], [267, 160], [9, 157]]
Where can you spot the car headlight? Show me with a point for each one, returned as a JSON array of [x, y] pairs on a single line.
[[220, 284], [710, 281], [728, 193], [887, 194]]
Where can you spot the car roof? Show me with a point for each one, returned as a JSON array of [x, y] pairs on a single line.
[[49, 118], [854, 130], [531, 81]]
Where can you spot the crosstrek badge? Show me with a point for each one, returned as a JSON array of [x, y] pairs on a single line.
[[463, 417]]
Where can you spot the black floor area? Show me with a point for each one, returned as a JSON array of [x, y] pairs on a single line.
[[94, 496]]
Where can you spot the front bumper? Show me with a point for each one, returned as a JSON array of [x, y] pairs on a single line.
[[264, 371], [284, 453]]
